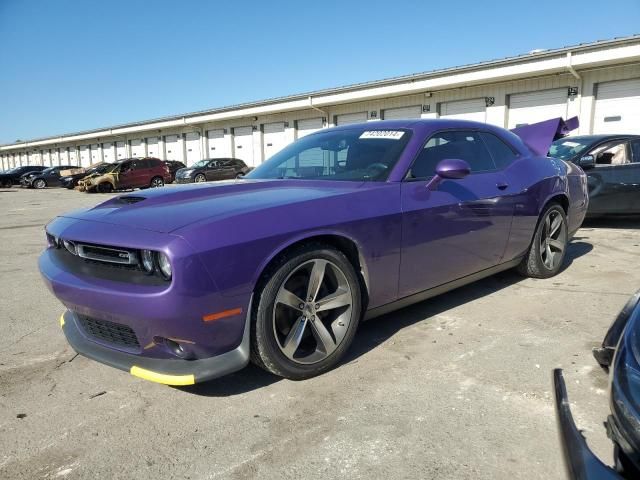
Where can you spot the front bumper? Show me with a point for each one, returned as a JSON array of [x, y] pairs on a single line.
[[184, 180], [166, 371], [580, 461]]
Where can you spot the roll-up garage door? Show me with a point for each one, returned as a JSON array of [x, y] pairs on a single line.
[[402, 112], [95, 154], [192, 146], [308, 125], [46, 158], [217, 145], [173, 148], [73, 156], [64, 156], [33, 158], [108, 152], [55, 156], [121, 150], [474, 109], [85, 159], [153, 147], [532, 107], [137, 148], [274, 138], [347, 118], [243, 144], [617, 107]]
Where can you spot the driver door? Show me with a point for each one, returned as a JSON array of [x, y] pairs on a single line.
[[459, 227]]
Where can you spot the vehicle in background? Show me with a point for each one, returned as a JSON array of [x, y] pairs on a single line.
[[174, 166], [612, 164], [212, 169], [128, 174], [71, 181], [49, 177], [12, 177], [344, 224], [620, 354]]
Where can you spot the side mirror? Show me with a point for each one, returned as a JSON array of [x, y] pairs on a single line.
[[453, 169], [588, 161]]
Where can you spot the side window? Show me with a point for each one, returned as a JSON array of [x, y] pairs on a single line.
[[460, 144], [502, 154], [611, 153]]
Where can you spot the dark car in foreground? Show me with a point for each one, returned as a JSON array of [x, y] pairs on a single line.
[[12, 177], [212, 169], [127, 174], [174, 166], [49, 177], [620, 354], [345, 224], [612, 164]]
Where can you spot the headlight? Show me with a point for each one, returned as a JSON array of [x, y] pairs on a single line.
[[186, 173], [147, 261], [164, 265]]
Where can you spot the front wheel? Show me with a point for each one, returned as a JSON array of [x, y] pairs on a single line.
[[39, 184], [546, 253], [199, 178], [307, 313], [157, 182]]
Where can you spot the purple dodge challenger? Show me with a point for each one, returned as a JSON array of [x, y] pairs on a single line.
[[184, 285]]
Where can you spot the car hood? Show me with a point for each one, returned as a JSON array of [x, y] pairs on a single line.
[[171, 208]]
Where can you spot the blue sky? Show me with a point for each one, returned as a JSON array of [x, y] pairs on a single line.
[[69, 65]]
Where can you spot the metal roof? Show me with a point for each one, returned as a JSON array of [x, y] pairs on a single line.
[[534, 54]]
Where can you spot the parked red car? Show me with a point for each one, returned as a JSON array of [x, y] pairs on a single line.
[[128, 174]]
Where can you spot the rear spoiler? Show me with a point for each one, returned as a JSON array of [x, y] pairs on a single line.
[[539, 136]]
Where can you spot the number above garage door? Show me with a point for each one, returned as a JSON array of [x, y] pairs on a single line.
[[617, 108]]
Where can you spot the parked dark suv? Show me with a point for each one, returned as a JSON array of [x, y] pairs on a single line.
[[49, 177], [212, 169], [12, 177], [128, 174]]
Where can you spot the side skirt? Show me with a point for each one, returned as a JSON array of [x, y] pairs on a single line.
[[432, 292]]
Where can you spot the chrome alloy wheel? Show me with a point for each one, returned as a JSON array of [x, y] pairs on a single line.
[[553, 239], [312, 311], [157, 182]]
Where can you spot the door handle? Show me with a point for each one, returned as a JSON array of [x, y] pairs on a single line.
[[502, 186]]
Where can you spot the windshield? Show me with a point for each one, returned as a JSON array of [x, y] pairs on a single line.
[[201, 163], [47, 170], [361, 153], [567, 148]]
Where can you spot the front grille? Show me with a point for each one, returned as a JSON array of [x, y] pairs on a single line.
[[107, 254], [114, 333]]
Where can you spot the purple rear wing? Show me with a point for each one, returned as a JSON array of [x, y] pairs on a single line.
[[539, 136]]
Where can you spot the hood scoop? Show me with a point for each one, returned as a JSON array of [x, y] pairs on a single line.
[[129, 199]]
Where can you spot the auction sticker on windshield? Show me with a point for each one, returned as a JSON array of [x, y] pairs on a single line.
[[387, 134]]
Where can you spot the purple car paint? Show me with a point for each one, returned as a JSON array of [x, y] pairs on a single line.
[[412, 242]]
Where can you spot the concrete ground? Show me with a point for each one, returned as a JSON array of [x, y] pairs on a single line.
[[458, 387]]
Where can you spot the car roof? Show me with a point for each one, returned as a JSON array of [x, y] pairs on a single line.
[[601, 137]]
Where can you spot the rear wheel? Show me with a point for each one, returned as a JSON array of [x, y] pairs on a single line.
[[39, 184], [157, 182], [200, 178], [307, 313], [104, 187], [546, 253]]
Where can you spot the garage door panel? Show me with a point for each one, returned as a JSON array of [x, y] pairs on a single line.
[[173, 148], [349, 118], [137, 148], [308, 125], [192, 147], [617, 108], [153, 147], [217, 145], [402, 112], [121, 150], [474, 109], [108, 152], [533, 107], [243, 144], [274, 138]]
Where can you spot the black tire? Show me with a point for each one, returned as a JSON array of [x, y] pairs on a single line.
[[39, 184], [156, 182], [534, 264], [7, 184], [200, 178], [265, 349], [104, 187]]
